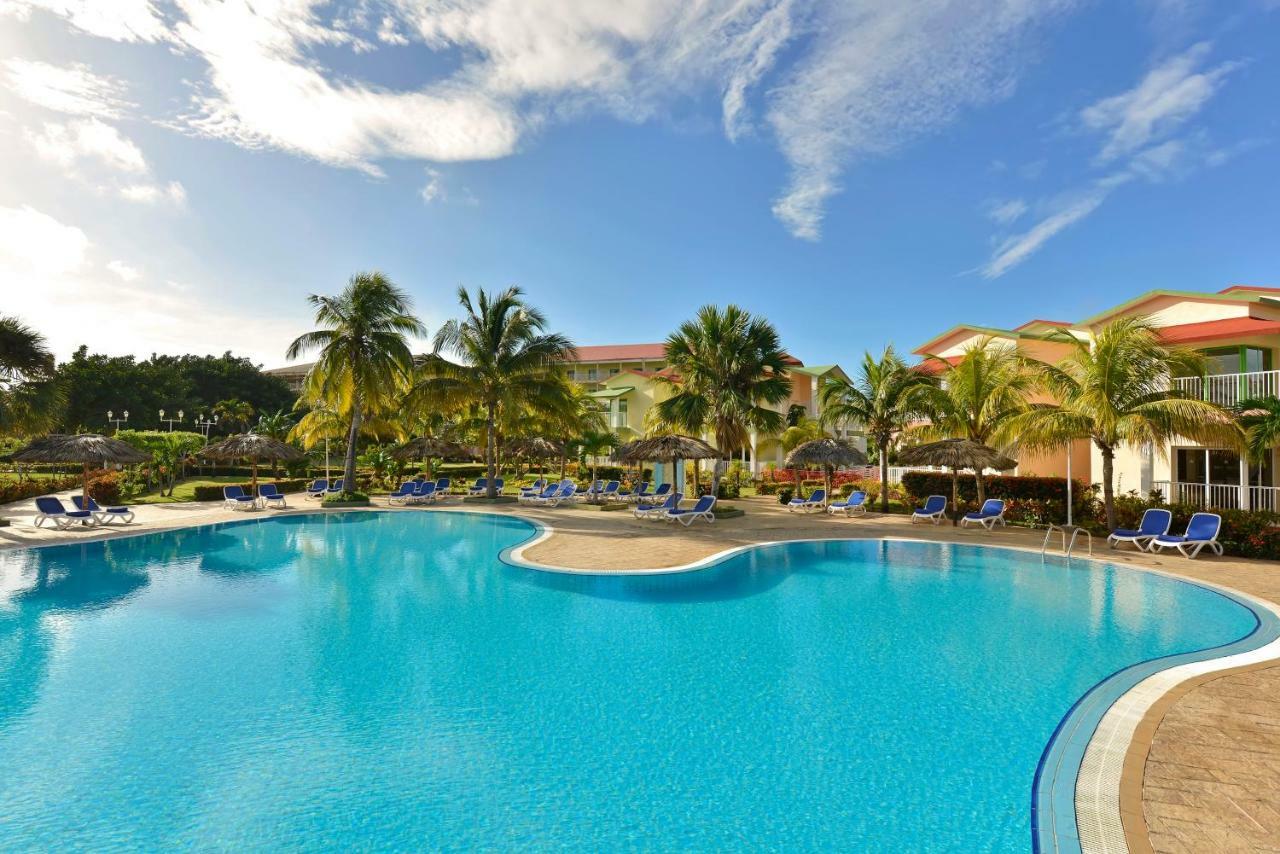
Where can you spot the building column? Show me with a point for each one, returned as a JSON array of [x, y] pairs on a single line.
[[755, 459], [1244, 482], [814, 404]]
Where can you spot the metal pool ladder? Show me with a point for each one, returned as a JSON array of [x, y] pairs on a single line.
[[1067, 543]]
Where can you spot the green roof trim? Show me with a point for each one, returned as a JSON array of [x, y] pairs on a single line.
[[608, 393], [1141, 298]]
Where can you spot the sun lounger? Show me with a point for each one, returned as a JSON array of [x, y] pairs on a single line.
[[1155, 521], [855, 503], [235, 498], [564, 493], [403, 494], [271, 497], [534, 488], [704, 509], [659, 511], [1202, 531], [318, 488], [51, 508], [816, 501], [335, 487], [531, 497], [632, 494], [934, 509], [610, 491], [479, 487], [423, 493], [991, 514], [104, 517]]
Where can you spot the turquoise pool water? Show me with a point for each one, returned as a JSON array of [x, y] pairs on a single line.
[[384, 681]]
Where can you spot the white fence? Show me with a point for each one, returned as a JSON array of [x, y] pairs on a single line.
[[1220, 496], [1230, 389]]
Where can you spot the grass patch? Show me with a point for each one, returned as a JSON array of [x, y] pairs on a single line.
[[185, 490]]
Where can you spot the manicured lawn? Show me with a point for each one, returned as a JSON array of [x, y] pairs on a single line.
[[186, 489]]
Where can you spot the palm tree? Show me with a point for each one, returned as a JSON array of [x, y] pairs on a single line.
[[596, 443], [364, 357], [505, 360], [1116, 392], [885, 398], [277, 425], [1260, 420], [805, 429], [234, 414], [30, 398], [730, 373], [977, 396]]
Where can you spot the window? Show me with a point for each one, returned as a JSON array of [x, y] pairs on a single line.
[[613, 371], [1236, 360], [592, 373]]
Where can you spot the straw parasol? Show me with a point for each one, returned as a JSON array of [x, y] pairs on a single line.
[[535, 448], [829, 454], [672, 448], [253, 447], [82, 448], [429, 447], [956, 454]]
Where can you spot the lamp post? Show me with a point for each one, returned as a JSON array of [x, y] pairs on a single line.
[[203, 425], [116, 422], [171, 421]]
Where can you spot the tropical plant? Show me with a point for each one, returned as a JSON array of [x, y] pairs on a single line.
[[380, 460], [30, 398], [364, 360], [977, 396], [505, 360], [805, 429], [884, 398], [594, 444], [1115, 391], [169, 452], [730, 372], [275, 424], [1260, 420], [234, 415]]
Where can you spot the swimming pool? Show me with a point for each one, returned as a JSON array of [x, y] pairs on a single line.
[[383, 680]]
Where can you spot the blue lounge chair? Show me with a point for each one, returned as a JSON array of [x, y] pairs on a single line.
[[498, 485], [610, 491], [855, 503], [1155, 521], [594, 490], [934, 509], [534, 488], [335, 487], [1202, 531], [235, 498], [565, 492], [104, 517], [403, 494], [479, 487], [816, 500], [424, 492], [704, 509], [270, 496], [532, 497], [633, 494], [318, 488], [442, 488], [51, 508], [655, 497], [990, 515], [659, 511]]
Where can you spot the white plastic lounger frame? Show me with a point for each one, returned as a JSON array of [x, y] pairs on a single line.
[[704, 509], [985, 517], [1190, 544], [932, 511]]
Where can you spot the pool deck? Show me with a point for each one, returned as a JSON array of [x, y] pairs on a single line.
[[1203, 770]]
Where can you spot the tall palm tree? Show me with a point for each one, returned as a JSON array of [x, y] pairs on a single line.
[[234, 414], [595, 444], [977, 396], [885, 398], [1116, 391], [30, 398], [364, 357], [730, 374], [1260, 420], [505, 359]]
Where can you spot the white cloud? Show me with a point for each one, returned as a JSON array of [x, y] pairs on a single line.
[[119, 20], [433, 190], [1169, 95], [173, 193], [73, 89], [1007, 211], [878, 75], [66, 144], [124, 271], [32, 242], [1018, 248]]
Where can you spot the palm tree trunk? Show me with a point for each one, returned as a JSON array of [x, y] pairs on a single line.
[[491, 449], [955, 497], [981, 484], [1108, 487], [884, 477], [349, 467]]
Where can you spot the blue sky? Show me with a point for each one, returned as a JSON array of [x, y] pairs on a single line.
[[177, 176]]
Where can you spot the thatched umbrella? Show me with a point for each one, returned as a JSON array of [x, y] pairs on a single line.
[[535, 448], [428, 447], [956, 454], [253, 447], [830, 454], [82, 448], [673, 449]]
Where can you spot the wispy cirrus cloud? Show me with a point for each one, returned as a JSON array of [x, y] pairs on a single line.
[[87, 139], [119, 20], [73, 89]]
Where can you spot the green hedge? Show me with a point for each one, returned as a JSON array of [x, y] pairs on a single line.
[[1028, 500], [12, 490], [214, 493]]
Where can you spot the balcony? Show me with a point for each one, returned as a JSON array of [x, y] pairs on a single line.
[[617, 420], [1230, 389], [1219, 496]]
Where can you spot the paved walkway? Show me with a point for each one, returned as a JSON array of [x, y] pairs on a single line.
[[1206, 762]]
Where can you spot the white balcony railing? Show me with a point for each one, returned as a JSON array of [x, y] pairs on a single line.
[[1219, 496], [617, 420], [1230, 389]]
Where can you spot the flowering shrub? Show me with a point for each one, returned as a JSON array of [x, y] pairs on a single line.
[[104, 486], [12, 490]]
